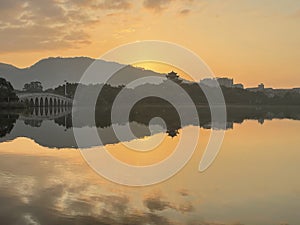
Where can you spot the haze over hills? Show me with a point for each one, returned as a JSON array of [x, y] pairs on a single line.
[[52, 72]]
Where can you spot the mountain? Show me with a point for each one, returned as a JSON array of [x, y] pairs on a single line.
[[52, 72]]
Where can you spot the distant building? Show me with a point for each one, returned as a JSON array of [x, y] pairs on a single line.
[[174, 77], [225, 82], [210, 82], [241, 86], [214, 82], [260, 87], [270, 92], [297, 90]]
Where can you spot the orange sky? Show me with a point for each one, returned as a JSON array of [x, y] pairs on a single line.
[[252, 41]]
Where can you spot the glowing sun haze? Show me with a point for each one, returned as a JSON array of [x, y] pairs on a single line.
[[252, 41]]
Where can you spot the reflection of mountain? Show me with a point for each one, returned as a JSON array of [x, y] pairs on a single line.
[[57, 132]]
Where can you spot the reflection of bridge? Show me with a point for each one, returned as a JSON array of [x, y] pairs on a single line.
[[43, 99], [46, 113]]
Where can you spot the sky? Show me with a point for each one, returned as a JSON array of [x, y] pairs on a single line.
[[252, 41]]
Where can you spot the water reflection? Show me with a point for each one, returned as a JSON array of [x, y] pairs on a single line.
[[7, 122], [253, 181], [55, 124]]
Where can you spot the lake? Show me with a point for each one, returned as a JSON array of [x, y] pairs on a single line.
[[254, 180]]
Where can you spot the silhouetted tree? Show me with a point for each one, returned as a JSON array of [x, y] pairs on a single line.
[[34, 86], [7, 92]]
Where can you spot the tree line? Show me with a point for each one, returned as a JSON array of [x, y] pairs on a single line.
[[232, 96]]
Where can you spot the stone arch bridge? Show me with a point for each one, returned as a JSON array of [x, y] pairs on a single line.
[[43, 99]]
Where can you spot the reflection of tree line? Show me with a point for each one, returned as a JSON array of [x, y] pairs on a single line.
[[34, 117], [139, 119], [142, 114], [64, 121], [235, 114], [7, 122], [45, 111]]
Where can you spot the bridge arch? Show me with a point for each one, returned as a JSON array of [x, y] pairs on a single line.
[[46, 102], [54, 102], [31, 102], [36, 111], [44, 99], [46, 110], [36, 102]]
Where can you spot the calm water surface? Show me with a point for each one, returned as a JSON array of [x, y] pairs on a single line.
[[253, 181]]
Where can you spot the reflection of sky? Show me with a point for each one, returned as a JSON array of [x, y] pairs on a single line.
[[253, 181]]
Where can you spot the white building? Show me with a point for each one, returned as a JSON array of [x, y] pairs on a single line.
[[223, 81], [241, 86]]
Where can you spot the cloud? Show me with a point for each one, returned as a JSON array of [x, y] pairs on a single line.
[[51, 24], [115, 4], [145, 219], [155, 203], [9, 9], [160, 5], [156, 5], [40, 24], [37, 25], [183, 192], [114, 203], [296, 14], [67, 193], [185, 12], [220, 223], [186, 207], [40, 37]]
